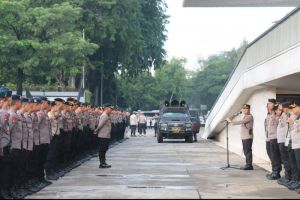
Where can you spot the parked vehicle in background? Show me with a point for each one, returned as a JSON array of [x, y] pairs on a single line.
[[194, 112], [149, 115]]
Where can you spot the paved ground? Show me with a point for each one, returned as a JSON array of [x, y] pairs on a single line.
[[142, 168]]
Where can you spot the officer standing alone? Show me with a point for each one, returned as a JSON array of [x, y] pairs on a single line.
[[104, 135], [246, 135]]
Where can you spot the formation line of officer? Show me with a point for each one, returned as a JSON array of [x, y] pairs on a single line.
[[41, 140], [282, 131]]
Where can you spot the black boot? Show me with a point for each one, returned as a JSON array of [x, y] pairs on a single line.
[[293, 185], [15, 193], [5, 194], [247, 167], [274, 176], [284, 180], [104, 165]]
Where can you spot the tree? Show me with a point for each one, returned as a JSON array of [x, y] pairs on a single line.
[[128, 35], [41, 41], [139, 92], [172, 79], [207, 83], [146, 92]]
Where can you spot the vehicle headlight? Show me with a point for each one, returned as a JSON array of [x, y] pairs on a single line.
[[164, 125], [188, 125]]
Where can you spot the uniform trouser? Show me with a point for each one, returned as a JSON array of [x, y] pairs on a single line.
[[27, 160], [1, 172], [143, 128], [40, 153], [61, 148], [79, 141], [139, 128], [67, 147], [30, 173], [18, 166], [297, 157], [5, 170], [103, 148], [119, 131], [86, 139], [285, 159], [293, 164], [52, 156], [274, 155], [247, 147], [123, 130], [74, 135]]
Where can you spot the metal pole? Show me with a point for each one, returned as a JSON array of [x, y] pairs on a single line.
[[83, 73], [227, 123], [102, 85]]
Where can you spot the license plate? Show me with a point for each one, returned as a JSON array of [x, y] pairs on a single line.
[[176, 130]]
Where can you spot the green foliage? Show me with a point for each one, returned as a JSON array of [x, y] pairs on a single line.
[[172, 79], [200, 87], [207, 83], [41, 41], [146, 92], [88, 96]]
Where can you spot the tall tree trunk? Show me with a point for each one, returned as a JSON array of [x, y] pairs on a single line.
[[72, 82], [20, 76], [96, 95]]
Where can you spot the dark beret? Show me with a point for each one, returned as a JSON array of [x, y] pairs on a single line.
[[32, 100], [272, 101], [16, 97], [59, 100], [6, 92], [42, 98], [285, 104], [37, 100], [70, 99], [24, 100]]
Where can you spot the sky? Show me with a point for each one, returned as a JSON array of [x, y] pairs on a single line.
[[199, 32]]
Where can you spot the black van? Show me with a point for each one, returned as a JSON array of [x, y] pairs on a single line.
[[175, 122]]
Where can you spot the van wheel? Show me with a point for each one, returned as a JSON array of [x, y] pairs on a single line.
[[160, 138], [189, 139]]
